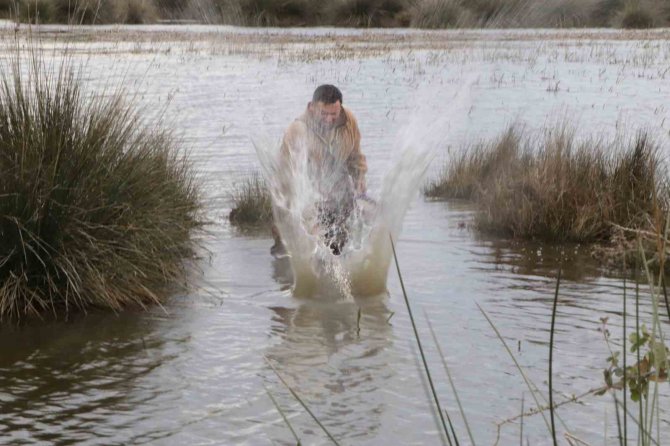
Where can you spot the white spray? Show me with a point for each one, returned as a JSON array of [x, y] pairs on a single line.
[[361, 268], [362, 265]]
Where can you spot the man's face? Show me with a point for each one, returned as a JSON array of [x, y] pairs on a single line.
[[326, 114]]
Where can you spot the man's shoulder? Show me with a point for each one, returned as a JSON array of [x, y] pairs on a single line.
[[348, 113], [296, 128], [350, 118]]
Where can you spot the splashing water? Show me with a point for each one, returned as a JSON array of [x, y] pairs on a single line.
[[338, 245]]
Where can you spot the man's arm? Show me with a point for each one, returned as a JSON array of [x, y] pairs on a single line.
[[356, 163]]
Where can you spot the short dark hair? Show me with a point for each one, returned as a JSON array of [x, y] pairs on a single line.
[[328, 94]]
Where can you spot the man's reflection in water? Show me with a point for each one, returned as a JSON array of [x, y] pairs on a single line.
[[336, 362]]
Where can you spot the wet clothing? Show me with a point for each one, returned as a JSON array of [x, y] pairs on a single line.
[[335, 166], [330, 150]]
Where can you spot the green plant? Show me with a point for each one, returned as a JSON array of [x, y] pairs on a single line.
[[97, 206], [651, 358], [652, 367]]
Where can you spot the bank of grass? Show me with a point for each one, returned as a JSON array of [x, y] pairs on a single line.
[[81, 12], [251, 203], [351, 13], [98, 208], [557, 188], [425, 13]]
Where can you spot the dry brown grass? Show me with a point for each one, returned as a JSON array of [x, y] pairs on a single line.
[[556, 187]]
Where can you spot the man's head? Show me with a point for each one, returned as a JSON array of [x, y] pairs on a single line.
[[326, 105]]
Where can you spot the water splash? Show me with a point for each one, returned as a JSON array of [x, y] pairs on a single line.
[[313, 200], [317, 215]]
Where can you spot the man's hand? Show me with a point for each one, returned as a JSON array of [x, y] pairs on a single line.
[[360, 187]]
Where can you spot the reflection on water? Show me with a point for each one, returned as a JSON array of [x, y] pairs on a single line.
[[336, 361], [68, 382], [532, 258]]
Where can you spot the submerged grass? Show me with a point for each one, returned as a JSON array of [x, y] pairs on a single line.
[[558, 188], [284, 417], [97, 206], [302, 403]]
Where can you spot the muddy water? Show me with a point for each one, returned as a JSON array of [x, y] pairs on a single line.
[[195, 371]]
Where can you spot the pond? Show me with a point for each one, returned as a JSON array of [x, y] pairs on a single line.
[[196, 370]]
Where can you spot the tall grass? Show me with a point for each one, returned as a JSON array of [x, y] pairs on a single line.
[[558, 188], [356, 13], [252, 203], [97, 206], [435, 14], [76, 12]]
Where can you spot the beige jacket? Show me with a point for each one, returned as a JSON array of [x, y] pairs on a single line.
[[339, 145]]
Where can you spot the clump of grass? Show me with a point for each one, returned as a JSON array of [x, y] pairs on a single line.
[[7, 8], [252, 203], [465, 175], [565, 13], [436, 14], [81, 11], [557, 188], [604, 11], [630, 13], [368, 13], [136, 12], [34, 11], [97, 206], [637, 15]]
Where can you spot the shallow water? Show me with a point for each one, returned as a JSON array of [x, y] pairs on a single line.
[[195, 371]]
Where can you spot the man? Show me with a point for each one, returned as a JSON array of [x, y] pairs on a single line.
[[329, 134]]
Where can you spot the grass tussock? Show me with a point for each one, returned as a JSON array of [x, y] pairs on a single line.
[[252, 203], [97, 208], [556, 187]]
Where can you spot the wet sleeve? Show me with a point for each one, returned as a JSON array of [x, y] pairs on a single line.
[[356, 163], [287, 150]]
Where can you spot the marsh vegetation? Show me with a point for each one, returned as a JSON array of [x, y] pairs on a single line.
[[138, 376], [436, 14], [556, 187], [97, 206]]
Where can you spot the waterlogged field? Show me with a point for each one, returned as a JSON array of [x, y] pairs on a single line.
[[196, 371]]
